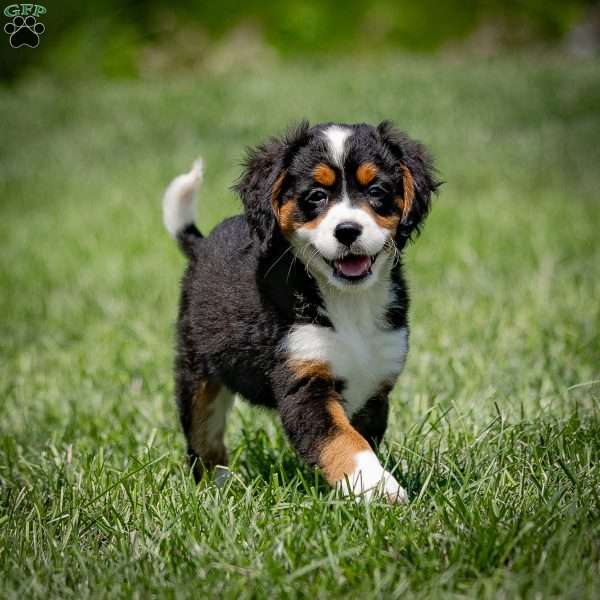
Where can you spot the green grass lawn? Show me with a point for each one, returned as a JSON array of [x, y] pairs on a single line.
[[495, 424]]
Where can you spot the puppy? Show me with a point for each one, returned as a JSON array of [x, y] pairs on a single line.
[[300, 304]]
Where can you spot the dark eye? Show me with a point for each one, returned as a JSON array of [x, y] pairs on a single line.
[[377, 192], [317, 197]]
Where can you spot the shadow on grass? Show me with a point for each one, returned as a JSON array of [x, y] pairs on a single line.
[[258, 456]]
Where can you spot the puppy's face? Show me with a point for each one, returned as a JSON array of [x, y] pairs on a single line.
[[345, 197], [341, 202]]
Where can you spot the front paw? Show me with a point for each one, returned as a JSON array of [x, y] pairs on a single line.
[[391, 490], [370, 481]]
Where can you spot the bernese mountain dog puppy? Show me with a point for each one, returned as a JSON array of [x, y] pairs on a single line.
[[300, 304]]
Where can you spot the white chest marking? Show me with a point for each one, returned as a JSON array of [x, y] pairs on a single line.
[[361, 349]]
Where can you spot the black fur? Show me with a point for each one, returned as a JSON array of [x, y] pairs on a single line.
[[187, 238], [419, 162], [371, 420], [262, 167], [243, 290]]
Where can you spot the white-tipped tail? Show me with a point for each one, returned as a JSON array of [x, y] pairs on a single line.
[[179, 206]]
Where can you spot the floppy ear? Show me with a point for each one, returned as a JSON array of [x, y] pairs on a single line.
[[418, 179], [262, 182]]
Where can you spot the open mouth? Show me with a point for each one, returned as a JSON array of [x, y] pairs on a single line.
[[353, 267]]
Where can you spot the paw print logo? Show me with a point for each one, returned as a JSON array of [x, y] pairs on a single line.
[[24, 31]]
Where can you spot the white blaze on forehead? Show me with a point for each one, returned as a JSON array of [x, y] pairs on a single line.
[[336, 137]]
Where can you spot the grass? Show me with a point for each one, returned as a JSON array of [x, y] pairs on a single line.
[[495, 426]]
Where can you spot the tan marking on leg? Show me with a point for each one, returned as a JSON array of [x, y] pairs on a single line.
[[324, 174], [205, 440], [336, 456], [304, 369], [409, 191], [366, 172], [337, 453]]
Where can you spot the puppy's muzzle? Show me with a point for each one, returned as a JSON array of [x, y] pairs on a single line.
[[347, 232]]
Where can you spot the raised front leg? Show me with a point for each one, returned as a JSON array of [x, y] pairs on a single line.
[[313, 416]]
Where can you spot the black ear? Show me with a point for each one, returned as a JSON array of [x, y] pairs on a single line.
[[418, 179], [262, 180]]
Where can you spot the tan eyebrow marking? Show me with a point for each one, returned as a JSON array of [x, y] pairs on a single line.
[[409, 191], [324, 174], [366, 173], [285, 216], [275, 193]]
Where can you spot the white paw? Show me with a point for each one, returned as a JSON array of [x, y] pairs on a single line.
[[371, 481]]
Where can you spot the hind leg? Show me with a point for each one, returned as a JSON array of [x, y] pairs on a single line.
[[203, 408]]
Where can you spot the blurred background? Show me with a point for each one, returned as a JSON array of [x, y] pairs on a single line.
[[133, 39], [119, 97]]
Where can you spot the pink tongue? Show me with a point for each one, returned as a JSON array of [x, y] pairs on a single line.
[[353, 266]]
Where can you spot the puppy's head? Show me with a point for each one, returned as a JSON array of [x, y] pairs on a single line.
[[345, 197]]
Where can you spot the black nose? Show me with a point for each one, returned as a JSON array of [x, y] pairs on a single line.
[[347, 232]]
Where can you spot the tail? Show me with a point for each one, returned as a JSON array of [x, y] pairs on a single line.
[[179, 208]]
